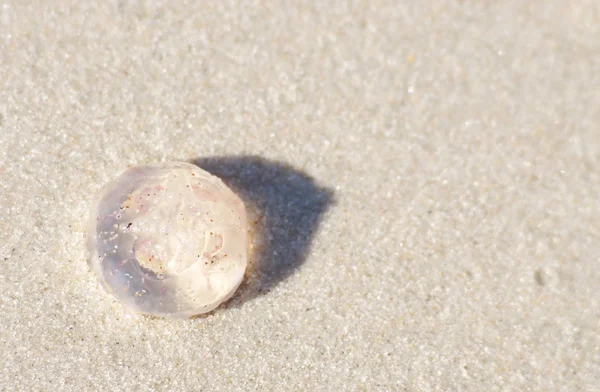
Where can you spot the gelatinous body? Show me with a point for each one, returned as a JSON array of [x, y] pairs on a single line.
[[168, 239]]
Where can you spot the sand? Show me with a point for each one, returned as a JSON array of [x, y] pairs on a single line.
[[424, 182]]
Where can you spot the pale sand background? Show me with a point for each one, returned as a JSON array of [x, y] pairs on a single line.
[[449, 238]]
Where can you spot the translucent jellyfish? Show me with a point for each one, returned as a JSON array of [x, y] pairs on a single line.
[[168, 240]]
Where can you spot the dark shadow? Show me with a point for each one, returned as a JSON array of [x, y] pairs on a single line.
[[285, 207]]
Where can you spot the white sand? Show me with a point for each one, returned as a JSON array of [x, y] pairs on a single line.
[[438, 227]]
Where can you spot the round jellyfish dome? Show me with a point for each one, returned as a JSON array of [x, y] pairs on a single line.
[[168, 239]]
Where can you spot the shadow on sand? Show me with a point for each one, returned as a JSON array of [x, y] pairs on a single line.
[[285, 207]]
